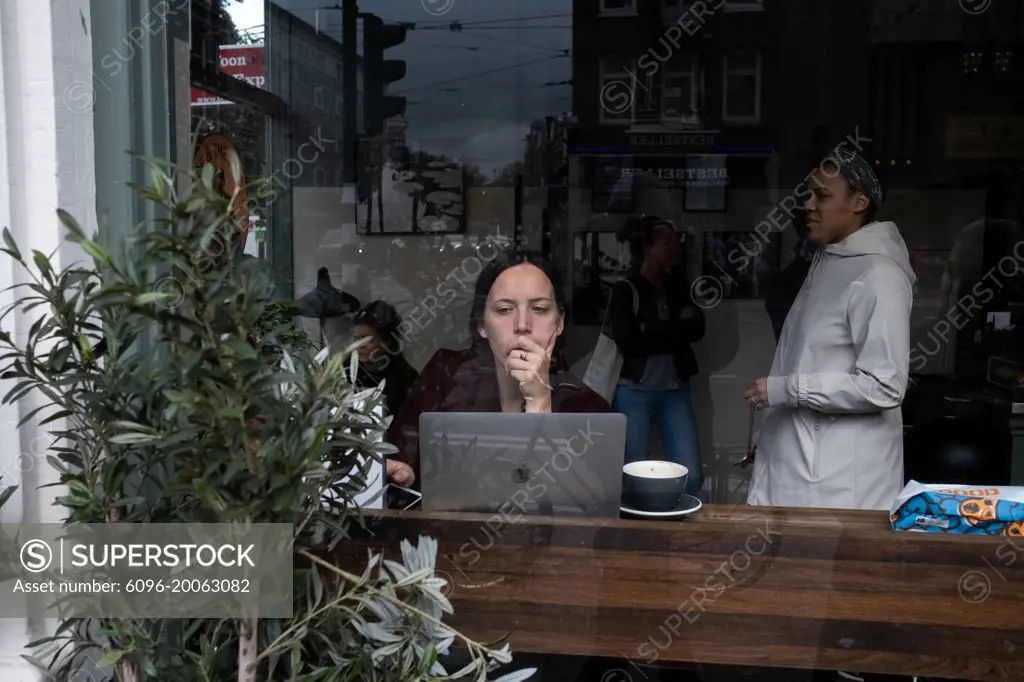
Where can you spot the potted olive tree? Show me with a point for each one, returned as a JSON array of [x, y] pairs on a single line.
[[177, 392]]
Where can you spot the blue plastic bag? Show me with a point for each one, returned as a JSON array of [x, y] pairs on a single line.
[[978, 510]]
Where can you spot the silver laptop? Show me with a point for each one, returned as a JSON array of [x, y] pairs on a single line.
[[516, 464]]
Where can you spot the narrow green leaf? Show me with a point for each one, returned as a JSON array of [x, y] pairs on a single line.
[[159, 181], [154, 297], [148, 667], [33, 331], [207, 176], [12, 247], [70, 223], [128, 502], [42, 262], [60, 357], [195, 204], [112, 657], [59, 414], [95, 251], [85, 346], [132, 438], [18, 392], [6, 494], [131, 426], [77, 486]]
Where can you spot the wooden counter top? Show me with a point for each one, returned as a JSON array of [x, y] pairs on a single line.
[[739, 585]]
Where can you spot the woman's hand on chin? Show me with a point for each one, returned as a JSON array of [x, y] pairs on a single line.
[[529, 364]]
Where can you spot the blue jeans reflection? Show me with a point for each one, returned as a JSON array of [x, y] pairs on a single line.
[[673, 412]]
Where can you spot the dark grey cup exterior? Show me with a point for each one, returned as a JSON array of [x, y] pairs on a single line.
[[652, 494]]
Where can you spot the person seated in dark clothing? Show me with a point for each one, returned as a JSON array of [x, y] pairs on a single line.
[[516, 322], [379, 322]]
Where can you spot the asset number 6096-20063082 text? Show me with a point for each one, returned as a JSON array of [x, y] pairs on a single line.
[[188, 585]]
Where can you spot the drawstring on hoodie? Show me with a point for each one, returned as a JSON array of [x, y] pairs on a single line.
[[805, 289], [819, 256]]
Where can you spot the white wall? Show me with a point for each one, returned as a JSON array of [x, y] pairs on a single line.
[[46, 151]]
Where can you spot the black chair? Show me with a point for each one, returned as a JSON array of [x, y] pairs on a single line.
[[955, 436]]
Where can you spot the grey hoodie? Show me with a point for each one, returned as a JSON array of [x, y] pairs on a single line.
[[832, 435]]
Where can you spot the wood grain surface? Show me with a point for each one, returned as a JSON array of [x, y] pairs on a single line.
[[736, 585]]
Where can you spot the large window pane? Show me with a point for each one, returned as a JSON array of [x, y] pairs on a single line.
[[402, 145]]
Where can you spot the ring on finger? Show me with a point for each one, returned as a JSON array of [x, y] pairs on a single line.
[[523, 355]]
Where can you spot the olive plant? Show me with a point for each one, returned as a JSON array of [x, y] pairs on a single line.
[[177, 391], [7, 555]]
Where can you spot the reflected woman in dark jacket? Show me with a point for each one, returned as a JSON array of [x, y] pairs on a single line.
[[654, 339], [379, 322]]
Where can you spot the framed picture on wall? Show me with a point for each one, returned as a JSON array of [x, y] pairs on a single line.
[[745, 265], [403, 192]]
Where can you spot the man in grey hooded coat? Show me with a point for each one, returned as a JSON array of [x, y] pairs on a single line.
[[832, 434]]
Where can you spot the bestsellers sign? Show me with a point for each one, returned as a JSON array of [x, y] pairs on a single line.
[[244, 62]]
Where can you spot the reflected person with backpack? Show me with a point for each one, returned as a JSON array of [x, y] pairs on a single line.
[[653, 322]]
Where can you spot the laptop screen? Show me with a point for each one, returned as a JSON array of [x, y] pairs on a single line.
[[536, 464]]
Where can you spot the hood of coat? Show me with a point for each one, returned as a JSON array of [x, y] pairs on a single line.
[[876, 239]]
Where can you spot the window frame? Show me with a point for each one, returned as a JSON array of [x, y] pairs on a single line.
[[631, 11], [756, 72], [740, 6], [672, 13], [604, 77], [694, 75]]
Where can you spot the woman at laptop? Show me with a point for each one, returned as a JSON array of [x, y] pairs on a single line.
[[516, 323]]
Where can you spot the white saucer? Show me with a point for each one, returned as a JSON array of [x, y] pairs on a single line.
[[687, 505]]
